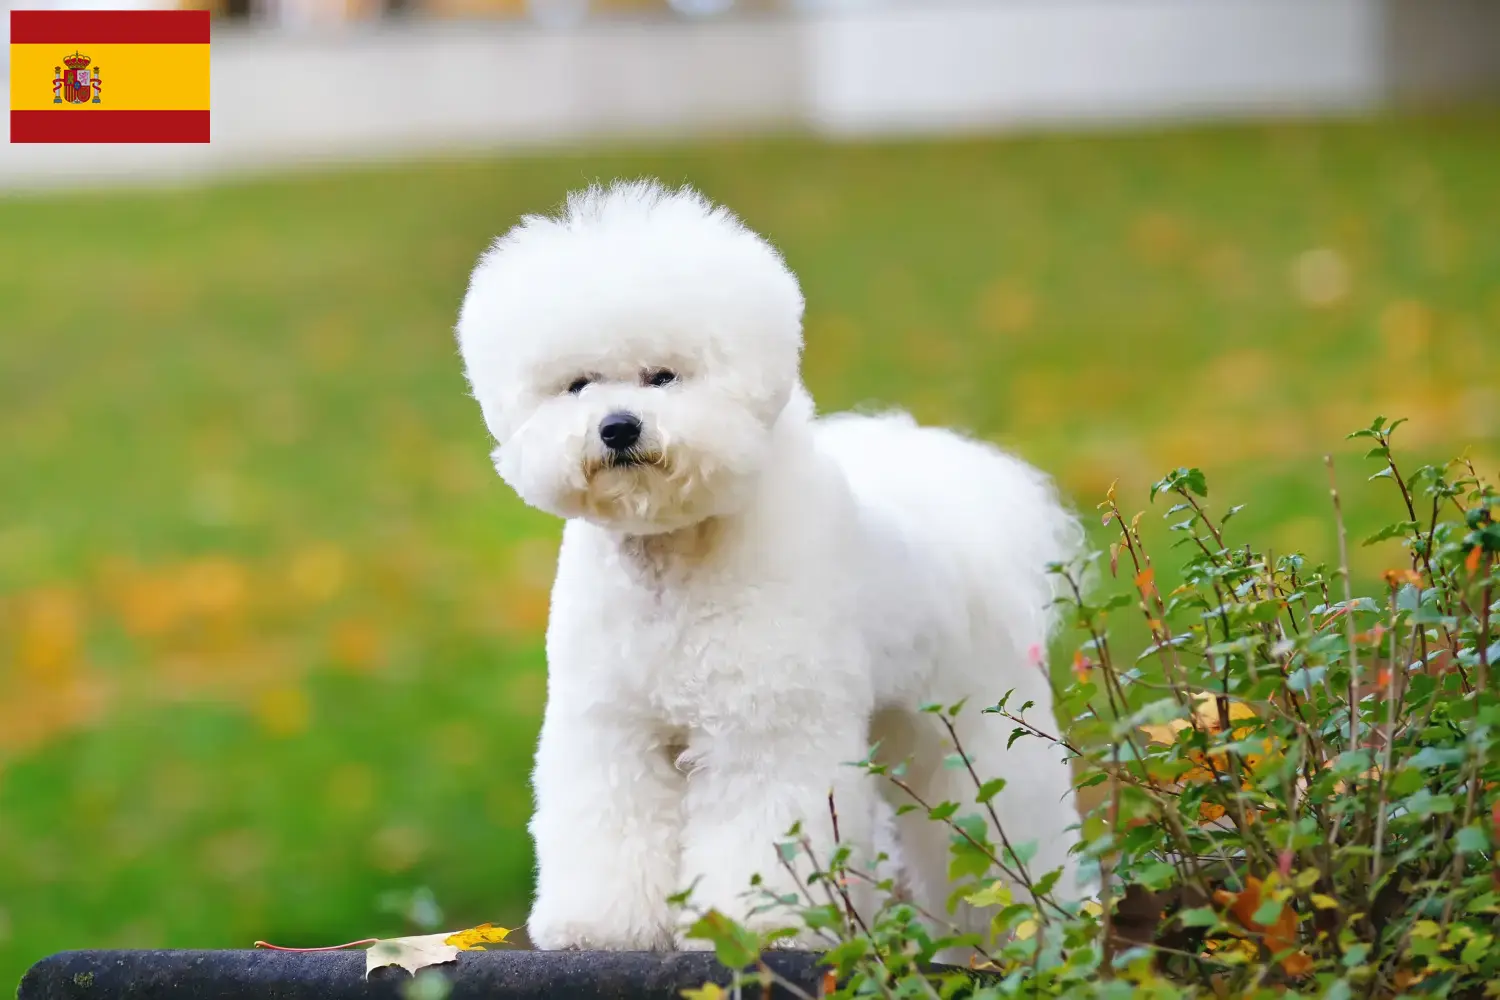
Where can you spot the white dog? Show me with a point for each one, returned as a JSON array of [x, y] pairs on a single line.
[[747, 597]]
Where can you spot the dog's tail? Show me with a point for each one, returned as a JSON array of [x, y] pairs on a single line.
[[993, 518]]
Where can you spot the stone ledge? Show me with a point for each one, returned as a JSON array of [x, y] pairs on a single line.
[[494, 975]]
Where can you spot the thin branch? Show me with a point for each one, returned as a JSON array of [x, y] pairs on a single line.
[[1338, 510]]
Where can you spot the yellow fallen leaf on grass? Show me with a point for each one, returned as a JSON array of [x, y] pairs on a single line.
[[415, 953]]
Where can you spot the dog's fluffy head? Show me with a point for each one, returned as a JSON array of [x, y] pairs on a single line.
[[635, 301]]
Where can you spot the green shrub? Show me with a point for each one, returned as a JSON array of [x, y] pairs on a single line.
[[1293, 786]]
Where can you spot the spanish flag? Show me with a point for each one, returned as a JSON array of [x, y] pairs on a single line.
[[109, 75]]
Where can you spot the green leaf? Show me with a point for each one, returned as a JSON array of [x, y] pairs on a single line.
[[990, 789], [1398, 530], [1432, 758], [1198, 916], [942, 810], [1304, 679], [1011, 915], [825, 916], [1471, 840], [1022, 853], [1181, 479], [1424, 803], [847, 952], [1405, 781], [1263, 612], [1044, 885], [1476, 948], [1267, 913], [972, 824], [967, 861], [1156, 713], [997, 893], [1155, 875], [735, 946], [1350, 763], [1432, 616], [1408, 598]]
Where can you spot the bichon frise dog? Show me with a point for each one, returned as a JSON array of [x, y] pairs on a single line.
[[747, 597]]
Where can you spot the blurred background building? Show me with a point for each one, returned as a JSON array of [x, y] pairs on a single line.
[[299, 80]]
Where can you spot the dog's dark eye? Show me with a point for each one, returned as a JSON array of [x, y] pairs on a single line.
[[660, 376], [579, 384]]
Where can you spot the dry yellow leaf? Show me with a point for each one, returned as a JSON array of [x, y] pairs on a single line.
[[411, 953], [1165, 732], [416, 953], [475, 938], [1206, 711], [1210, 812]]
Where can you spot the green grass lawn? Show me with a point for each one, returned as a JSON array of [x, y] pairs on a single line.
[[270, 628]]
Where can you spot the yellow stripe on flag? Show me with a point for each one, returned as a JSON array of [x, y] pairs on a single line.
[[132, 77]]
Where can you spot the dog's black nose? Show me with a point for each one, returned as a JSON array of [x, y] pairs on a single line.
[[620, 431]]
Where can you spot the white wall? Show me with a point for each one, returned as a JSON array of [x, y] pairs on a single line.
[[385, 91], [942, 65], [861, 69]]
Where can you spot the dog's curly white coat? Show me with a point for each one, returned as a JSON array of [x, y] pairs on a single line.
[[759, 595]]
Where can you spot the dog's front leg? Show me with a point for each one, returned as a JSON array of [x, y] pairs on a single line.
[[607, 828], [747, 789]]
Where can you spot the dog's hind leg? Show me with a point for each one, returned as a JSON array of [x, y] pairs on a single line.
[[1034, 811]]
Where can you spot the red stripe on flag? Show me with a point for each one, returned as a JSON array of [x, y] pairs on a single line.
[[105, 27], [108, 126]]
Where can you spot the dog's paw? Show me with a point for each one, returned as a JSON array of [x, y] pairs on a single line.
[[596, 932]]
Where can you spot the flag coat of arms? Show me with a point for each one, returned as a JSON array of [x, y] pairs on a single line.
[[109, 76]]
